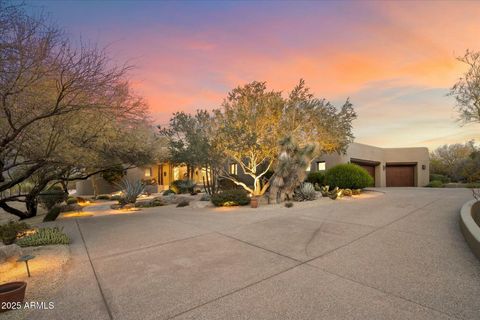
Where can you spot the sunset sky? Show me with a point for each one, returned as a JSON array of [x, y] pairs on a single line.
[[395, 60]]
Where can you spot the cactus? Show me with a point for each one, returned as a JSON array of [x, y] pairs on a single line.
[[43, 237], [324, 191]]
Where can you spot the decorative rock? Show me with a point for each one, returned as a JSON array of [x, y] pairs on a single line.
[[115, 206]]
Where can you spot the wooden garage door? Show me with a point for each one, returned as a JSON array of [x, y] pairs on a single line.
[[400, 175]]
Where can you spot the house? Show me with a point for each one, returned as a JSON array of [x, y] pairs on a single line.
[[157, 178], [389, 167]]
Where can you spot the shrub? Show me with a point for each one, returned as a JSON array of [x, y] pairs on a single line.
[[52, 214], [43, 237], [348, 176], [183, 186], [435, 184], [439, 177], [288, 204], [10, 230], [72, 200], [168, 192], [102, 197], [226, 198], [49, 198], [306, 192], [316, 177], [347, 192], [205, 197], [183, 203]]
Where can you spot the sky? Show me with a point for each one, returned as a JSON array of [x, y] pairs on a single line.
[[395, 60]]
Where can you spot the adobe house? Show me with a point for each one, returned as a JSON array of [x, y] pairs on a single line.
[[389, 167]]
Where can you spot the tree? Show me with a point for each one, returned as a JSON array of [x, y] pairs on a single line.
[[467, 89], [253, 120], [446, 159], [66, 112], [190, 143]]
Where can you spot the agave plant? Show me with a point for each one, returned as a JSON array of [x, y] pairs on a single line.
[[306, 192], [131, 190]]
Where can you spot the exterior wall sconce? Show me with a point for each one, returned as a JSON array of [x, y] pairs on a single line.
[[424, 167]]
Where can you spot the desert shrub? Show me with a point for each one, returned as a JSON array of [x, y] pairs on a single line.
[[473, 185], [348, 176], [227, 184], [183, 203], [227, 198], [168, 192], [183, 186], [288, 204], [52, 214], [347, 192], [44, 237], [49, 198], [205, 197], [435, 184], [439, 177], [306, 192], [72, 200], [10, 230], [131, 190], [102, 197], [316, 177], [324, 190]]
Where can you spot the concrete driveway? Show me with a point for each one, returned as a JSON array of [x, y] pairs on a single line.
[[396, 256]]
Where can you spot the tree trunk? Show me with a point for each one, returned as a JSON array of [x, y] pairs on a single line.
[[22, 215]]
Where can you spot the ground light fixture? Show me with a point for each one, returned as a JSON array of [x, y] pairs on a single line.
[[25, 259]]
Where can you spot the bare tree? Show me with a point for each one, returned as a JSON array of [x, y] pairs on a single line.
[[66, 111]]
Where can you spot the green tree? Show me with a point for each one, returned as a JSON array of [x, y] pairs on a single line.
[[446, 159], [253, 120]]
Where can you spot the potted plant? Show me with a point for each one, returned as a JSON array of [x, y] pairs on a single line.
[[12, 294], [254, 202]]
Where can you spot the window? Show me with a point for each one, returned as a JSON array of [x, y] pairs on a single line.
[[232, 169], [320, 165], [148, 172]]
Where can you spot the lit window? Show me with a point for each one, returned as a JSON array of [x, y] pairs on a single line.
[[321, 166], [232, 169], [308, 168], [148, 172]]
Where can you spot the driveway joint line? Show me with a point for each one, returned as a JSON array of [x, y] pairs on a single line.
[[371, 232], [259, 247], [94, 272], [149, 247], [383, 291]]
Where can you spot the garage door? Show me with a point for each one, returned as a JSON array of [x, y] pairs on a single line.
[[400, 175]]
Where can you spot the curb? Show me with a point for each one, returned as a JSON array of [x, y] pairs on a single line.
[[468, 226]]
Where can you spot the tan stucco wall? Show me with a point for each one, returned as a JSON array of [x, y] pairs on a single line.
[[419, 156]]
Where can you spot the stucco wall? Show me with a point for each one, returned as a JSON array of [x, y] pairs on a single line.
[[383, 156]]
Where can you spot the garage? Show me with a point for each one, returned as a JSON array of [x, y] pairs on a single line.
[[367, 165], [400, 175]]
